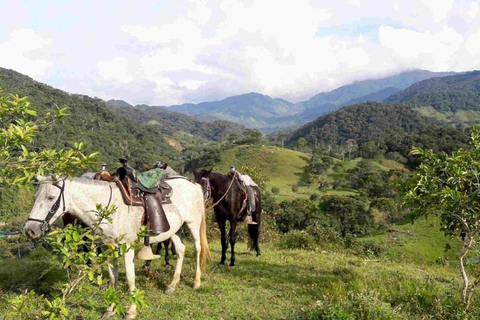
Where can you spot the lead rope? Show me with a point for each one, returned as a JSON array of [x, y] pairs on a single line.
[[231, 183]]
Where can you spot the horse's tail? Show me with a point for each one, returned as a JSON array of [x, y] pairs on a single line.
[[204, 249]]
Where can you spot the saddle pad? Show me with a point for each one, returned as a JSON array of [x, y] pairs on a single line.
[[151, 178]]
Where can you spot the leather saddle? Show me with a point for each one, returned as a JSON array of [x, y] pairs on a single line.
[[152, 199]]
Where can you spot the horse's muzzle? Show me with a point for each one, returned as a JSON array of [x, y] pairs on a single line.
[[33, 229]]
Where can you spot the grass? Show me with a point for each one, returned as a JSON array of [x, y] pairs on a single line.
[[283, 284], [285, 168]]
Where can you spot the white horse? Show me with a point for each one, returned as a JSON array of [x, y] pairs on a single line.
[[79, 198]]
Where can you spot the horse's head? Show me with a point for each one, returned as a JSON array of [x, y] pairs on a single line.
[[48, 199], [202, 177]]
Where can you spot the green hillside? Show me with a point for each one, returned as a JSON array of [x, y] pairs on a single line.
[[445, 94], [285, 168]]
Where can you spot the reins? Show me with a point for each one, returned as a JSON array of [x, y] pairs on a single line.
[[231, 183]]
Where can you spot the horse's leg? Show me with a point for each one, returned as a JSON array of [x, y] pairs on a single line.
[[180, 247], [113, 273], [196, 239], [167, 254], [130, 273], [233, 225], [223, 239]]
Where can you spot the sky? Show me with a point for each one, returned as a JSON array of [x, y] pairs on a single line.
[[172, 52]]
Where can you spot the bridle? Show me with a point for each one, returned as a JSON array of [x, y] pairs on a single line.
[[61, 198], [207, 193]]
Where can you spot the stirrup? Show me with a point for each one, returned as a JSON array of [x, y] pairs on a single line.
[[146, 253], [248, 220]]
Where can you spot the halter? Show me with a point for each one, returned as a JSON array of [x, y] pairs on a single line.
[[46, 222], [207, 193]]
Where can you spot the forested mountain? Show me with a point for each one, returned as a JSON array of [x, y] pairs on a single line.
[[363, 91], [361, 122], [252, 110], [169, 122], [445, 94], [91, 122], [390, 127], [267, 114]]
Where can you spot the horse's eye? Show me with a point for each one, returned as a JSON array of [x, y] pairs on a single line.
[[51, 197]]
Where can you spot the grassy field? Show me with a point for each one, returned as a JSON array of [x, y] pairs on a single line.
[[285, 167], [406, 280]]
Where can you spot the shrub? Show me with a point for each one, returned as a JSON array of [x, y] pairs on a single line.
[[295, 215], [296, 239], [275, 190]]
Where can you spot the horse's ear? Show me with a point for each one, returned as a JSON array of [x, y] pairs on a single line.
[[209, 171], [38, 178]]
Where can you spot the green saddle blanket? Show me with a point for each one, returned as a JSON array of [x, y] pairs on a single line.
[[151, 178]]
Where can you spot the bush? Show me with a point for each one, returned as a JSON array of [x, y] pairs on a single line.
[[295, 215], [296, 239], [275, 190]]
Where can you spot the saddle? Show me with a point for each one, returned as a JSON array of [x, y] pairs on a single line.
[[250, 201], [134, 193]]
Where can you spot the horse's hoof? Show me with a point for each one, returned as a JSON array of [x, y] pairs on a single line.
[[130, 316], [196, 285], [108, 314], [169, 290]]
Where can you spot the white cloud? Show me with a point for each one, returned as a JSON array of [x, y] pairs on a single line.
[[440, 8], [115, 69], [191, 50], [24, 52], [433, 51]]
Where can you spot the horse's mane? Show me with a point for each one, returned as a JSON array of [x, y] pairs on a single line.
[[90, 181]]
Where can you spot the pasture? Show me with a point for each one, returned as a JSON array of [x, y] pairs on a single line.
[[327, 282]]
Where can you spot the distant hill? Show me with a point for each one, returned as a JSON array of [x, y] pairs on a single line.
[[363, 91], [360, 122], [90, 121], [170, 123], [392, 127], [445, 94], [268, 114], [253, 110]]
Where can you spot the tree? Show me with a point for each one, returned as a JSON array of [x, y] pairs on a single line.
[[19, 126], [302, 144], [447, 186], [252, 136]]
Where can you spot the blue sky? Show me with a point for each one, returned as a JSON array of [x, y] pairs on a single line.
[[173, 52]]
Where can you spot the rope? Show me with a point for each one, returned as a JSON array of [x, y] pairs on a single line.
[[231, 183]]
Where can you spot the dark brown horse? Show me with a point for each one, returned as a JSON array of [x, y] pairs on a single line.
[[228, 195]]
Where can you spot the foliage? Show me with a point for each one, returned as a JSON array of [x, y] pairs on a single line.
[[275, 190], [251, 136], [447, 186], [83, 257], [296, 239], [295, 215], [18, 162], [458, 92], [347, 215]]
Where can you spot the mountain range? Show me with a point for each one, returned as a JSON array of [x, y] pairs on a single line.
[[268, 114]]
